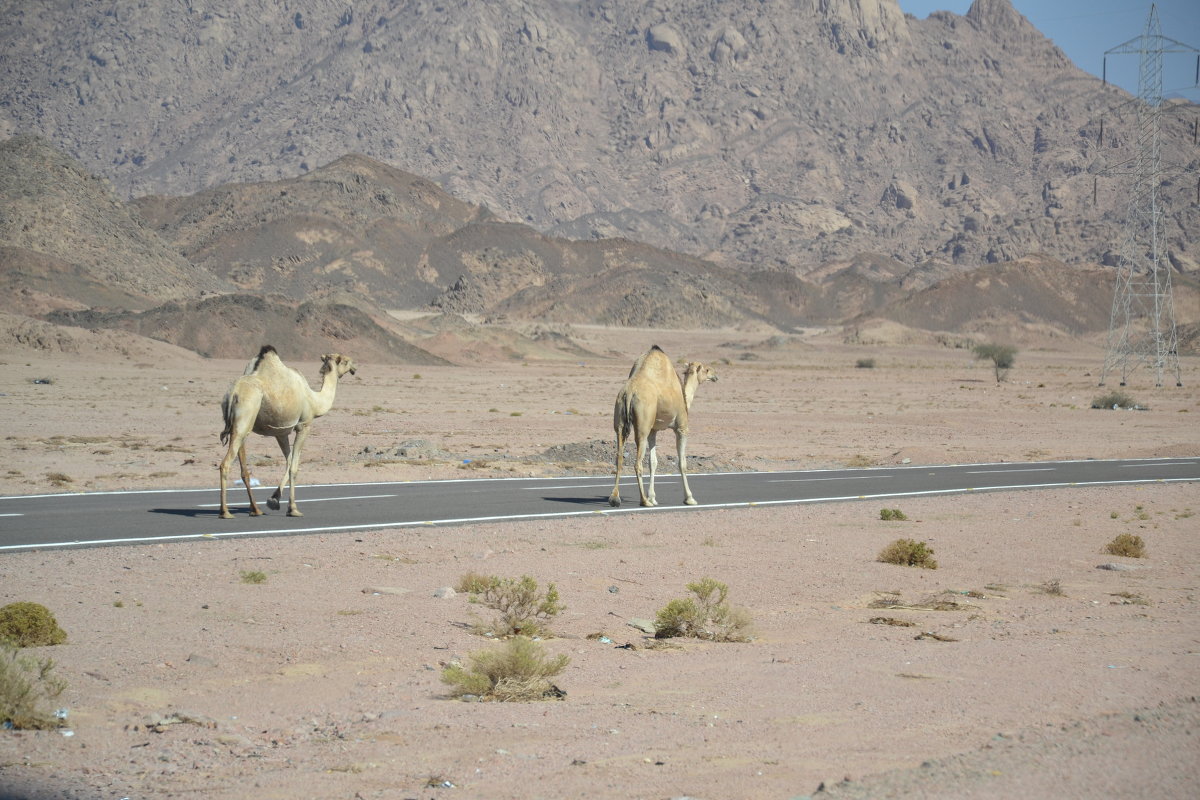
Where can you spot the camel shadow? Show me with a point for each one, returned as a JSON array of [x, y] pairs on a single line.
[[579, 501], [188, 512]]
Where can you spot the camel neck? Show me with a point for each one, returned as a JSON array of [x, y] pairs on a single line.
[[690, 382], [324, 397]]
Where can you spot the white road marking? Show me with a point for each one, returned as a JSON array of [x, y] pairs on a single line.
[[997, 471], [308, 500], [1159, 464], [843, 478]]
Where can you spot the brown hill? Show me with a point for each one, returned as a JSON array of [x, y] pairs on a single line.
[[234, 326], [358, 227], [779, 134], [65, 233], [355, 225]]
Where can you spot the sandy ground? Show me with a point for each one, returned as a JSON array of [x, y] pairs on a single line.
[[1048, 676]]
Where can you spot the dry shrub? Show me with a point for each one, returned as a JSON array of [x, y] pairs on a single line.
[[472, 583], [26, 684], [24, 624], [1053, 587], [892, 515], [908, 553], [524, 609], [517, 672], [706, 615], [1127, 544]]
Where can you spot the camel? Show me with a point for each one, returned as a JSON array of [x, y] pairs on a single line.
[[272, 399], [653, 399]]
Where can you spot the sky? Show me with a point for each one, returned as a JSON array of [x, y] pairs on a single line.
[[1084, 29]]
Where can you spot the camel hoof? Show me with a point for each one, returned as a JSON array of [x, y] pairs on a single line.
[[614, 501], [647, 504], [273, 503], [294, 513], [226, 515], [689, 501], [254, 512]]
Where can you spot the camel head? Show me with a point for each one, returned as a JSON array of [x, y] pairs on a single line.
[[702, 372], [693, 375], [334, 361]]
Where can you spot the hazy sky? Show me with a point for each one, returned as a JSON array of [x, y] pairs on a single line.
[[1084, 29]]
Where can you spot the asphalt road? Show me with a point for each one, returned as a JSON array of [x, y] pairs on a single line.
[[142, 517]]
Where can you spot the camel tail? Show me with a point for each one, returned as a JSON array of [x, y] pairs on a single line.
[[623, 416], [228, 405]]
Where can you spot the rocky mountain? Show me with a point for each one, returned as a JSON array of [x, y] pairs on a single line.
[[787, 135]]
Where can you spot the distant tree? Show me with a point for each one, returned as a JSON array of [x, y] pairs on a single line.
[[1002, 357]]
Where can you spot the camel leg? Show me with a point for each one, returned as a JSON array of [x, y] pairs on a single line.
[[637, 469], [614, 499], [294, 469], [681, 447], [652, 443], [285, 446], [226, 463], [254, 509]]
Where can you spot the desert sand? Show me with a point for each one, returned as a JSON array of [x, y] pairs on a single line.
[[1046, 676]]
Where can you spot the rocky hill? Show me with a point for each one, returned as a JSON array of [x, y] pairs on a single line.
[[777, 134], [319, 261], [64, 234]]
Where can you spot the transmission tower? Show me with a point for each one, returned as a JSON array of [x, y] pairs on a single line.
[[1142, 328]]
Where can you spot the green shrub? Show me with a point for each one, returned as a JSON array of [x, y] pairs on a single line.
[[254, 576], [29, 625], [908, 553], [1126, 544], [26, 683], [892, 514], [524, 609], [1002, 356], [518, 671], [1116, 400], [705, 615]]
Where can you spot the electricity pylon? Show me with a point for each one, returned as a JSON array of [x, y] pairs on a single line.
[[1142, 328]]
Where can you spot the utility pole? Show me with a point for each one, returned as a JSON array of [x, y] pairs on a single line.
[[1142, 327]]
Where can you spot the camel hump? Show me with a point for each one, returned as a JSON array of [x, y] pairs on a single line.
[[267, 350]]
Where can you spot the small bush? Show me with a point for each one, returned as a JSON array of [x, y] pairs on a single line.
[[472, 583], [26, 683], [892, 514], [908, 553], [865, 363], [1126, 544], [706, 615], [518, 671], [524, 609], [253, 576], [1053, 587], [29, 625], [1116, 400], [1002, 356]]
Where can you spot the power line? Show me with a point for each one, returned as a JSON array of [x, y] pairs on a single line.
[[1142, 326]]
